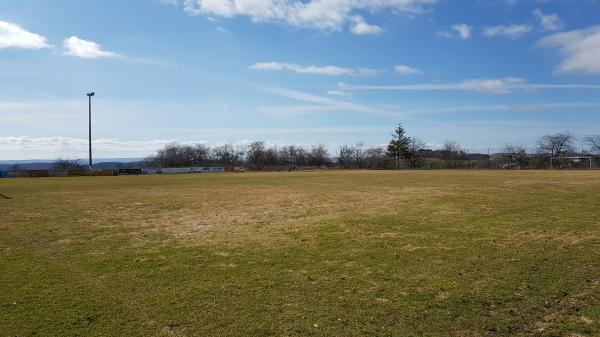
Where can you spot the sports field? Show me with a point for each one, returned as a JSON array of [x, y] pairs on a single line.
[[407, 253]]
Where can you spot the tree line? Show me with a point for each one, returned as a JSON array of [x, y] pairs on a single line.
[[402, 152], [257, 155]]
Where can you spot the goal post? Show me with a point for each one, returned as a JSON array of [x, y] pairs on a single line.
[[579, 159]]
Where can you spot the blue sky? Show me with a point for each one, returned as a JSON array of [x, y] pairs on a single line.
[[480, 72]]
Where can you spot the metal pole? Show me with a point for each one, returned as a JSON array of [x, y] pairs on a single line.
[[468, 158], [90, 129], [89, 95]]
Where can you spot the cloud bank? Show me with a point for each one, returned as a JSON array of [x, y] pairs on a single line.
[[327, 15]]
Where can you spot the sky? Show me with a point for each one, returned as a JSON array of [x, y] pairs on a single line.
[[483, 73]]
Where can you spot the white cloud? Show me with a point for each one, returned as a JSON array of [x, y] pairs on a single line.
[[513, 3], [360, 27], [494, 86], [222, 30], [338, 93], [512, 31], [86, 49], [406, 70], [463, 30], [459, 31], [319, 104], [549, 21], [328, 15], [315, 70], [580, 48], [13, 36]]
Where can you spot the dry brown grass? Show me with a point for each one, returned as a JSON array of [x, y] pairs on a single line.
[[434, 253]]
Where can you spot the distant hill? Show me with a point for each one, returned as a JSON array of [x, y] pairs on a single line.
[[46, 164]]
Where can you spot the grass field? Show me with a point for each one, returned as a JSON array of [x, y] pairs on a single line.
[[411, 253]]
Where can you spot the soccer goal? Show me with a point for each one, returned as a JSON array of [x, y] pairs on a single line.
[[577, 162]]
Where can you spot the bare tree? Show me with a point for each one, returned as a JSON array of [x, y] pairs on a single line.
[[451, 153], [344, 156], [226, 154], [67, 164], [556, 145], [302, 156], [256, 154], [318, 156], [594, 143], [271, 157], [288, 155], [201, 154], [516, 155], [358, 155], [293, 156], [413, 153], [178, 155], [168, 156], [375, 158], [240, 154], [186, 154]]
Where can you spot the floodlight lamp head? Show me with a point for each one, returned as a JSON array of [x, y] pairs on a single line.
[[90, 94]]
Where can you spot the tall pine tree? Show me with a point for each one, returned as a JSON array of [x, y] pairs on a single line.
[[399, 145]]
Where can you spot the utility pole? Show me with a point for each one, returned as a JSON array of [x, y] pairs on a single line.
[[89, 95], [468, 158]]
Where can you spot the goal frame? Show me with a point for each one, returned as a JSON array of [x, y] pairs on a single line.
[[581, 157]]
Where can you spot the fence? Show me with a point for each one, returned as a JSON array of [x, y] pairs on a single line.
[[54, 173], [83, 173], [186, 170]]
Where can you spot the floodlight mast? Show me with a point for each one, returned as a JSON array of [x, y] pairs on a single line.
[[89, 95]]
